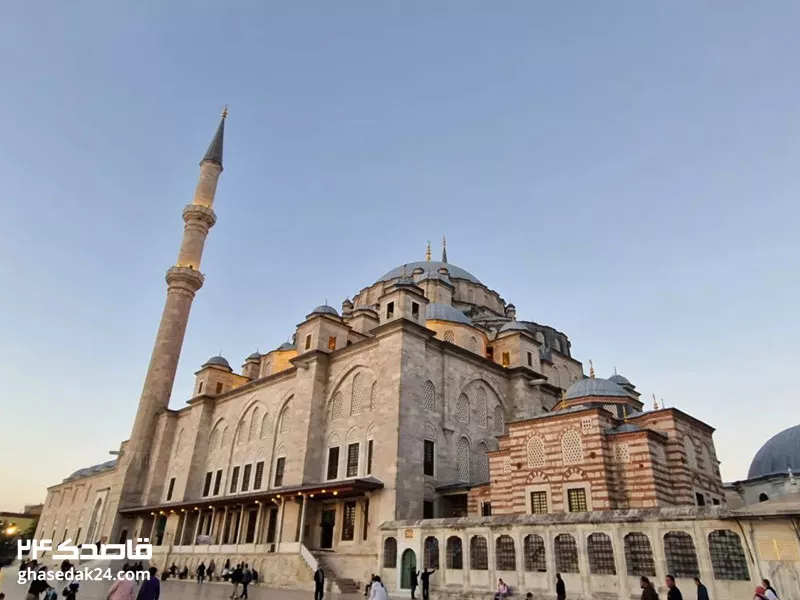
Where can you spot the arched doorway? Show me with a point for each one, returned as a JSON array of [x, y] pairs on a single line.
[[408, 562]]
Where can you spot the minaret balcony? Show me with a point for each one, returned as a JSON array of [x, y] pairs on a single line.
[[185, 277], [197, 212]]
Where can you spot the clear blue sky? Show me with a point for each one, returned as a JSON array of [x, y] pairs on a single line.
[[628, 173]]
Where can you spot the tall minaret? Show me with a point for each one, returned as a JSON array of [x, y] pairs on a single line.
[[183, 280]]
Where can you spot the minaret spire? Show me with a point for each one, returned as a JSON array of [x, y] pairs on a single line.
[[214, 152], [428, 252], [444, 249]]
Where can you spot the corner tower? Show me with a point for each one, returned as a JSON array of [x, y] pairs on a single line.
[[183, 281]]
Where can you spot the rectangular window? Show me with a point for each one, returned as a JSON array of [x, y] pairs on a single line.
[[170, 489], [308, 341], [332, 343], [365, 528], [427, 509], [576, 499], [259, 475], [715, 501], [333, 463], [218, 482], [415, 310], [280, 464], [701, 501], [389, 310], [78, 536], [219, 387], [199, 388], [352, 460], [234, 479], [486, 509], [539, 503], [369, 457], [530, 359], [246, 477], [506, 359], [349, 522], [428, 458], [489, 352], [207, 484]]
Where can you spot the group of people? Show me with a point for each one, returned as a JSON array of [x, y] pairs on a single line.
[[121, 589], [240, 575], [765, 591]]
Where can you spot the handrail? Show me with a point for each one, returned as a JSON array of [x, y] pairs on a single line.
[[309, 558]]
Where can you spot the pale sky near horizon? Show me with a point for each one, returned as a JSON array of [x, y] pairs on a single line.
[[626, 172]]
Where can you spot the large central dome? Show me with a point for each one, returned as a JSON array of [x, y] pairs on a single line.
[[429, 266], [778, 455]]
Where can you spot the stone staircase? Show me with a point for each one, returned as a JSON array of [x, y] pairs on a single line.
[[342, 584]]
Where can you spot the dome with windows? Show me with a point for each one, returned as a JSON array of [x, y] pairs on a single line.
[[430, 266], [445, 312], [217, 361], [324, 309], [778, 455], [595, 387]]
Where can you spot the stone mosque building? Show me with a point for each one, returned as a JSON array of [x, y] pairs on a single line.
[[422, 414]]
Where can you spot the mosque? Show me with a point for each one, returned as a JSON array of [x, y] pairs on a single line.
[[422, 413]]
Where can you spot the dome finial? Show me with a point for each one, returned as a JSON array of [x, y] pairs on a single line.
[[615, 371], [444, 249], [214, 152], [225, 112], [428, 252], [591, 369], [655, 403]]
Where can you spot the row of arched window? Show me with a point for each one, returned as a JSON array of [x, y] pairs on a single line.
[[481, 415], [571, 449], [362, 399], [725, 547]]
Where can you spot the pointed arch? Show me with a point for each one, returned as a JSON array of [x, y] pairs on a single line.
[[359, 401], [535, 452], [255, 424], [462, 409], [265, 426], [499, 420], [491, 387], [429, 396]]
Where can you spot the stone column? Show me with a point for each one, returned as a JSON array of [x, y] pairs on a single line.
[[240, 528], [303, 519], [259, 523], [197, 527]]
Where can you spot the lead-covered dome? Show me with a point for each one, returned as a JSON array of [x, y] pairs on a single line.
[[324, 309], [430, 266], [619, 379], [445, 312], [778, 455], [217, 361], [595, 387]]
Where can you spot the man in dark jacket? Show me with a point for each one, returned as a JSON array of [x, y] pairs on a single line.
[[425, 576], [201, 572], [674, 593], [236, 579], [319, 583], [648, 591], [414, 581], [702, 591], [247, 577], [561, 588], [150, 588]]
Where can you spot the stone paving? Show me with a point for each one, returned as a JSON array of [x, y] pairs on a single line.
[[170, 590]]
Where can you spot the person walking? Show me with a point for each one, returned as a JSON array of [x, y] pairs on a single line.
[[236, 579], [648, 591], [210, 570], [122, 589], [201, 572], [769, 591], [38, 585], [71, 591], [425, 577], [247, 577], [151, 587], [674, 593], [702, 590], [377, 591], [414, 581], [561, 588], [319, 583]]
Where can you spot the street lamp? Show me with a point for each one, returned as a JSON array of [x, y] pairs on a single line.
[[11, 530]]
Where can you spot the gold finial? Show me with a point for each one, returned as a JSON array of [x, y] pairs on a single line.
[[225, 112], [655, 403], [428, 252], [591, 369]]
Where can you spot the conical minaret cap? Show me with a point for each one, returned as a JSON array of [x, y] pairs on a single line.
[[214, 152]]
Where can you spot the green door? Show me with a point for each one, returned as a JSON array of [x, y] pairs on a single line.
[[408, 563]]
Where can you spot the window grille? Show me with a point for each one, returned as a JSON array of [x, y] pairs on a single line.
[[280, 464], [586, 426], [352, 460], [429, 396], [539, 503], [449, 336], [601, 555], [727, 556], [572, 447], [505, 553], [535, 451], [455, 558], [507, 464], [234, 480], [482, 408], [359, 399], [333, 463], [576, 498], [478, 553], [429, 458], [473, 345], [246, 477], [462, 458], [349, 521], [534, 553], [372, 395], [430, 556], [462, 409], [336, 407], [681, 555], [390, 553], [257, 480], [482, 463], [639, 555], [621, 453], [612, 408], [566, 553], [499, 421]]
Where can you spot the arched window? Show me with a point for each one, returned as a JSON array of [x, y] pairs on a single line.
[[566, 552], [390, 553], [455, 559], [216, 439], [359, 400], [601, 554], [681, 555], [372, 395], [762, 497], [462, 409], [225, 440], [535, 451], [265, 426], [639, 555], [499, 420], [255, 423], [691, 457], [505, 553], [727, 556], [449, 336], [473, 345], [572, 447], [462, 458], [481, 408], [242, 431], [429, 396], [534, 553], [430, 556], [286, 418], [337, 406], [482, 463], [478, 553]]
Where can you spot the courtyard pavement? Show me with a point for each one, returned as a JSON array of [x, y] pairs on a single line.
[[170, 590]]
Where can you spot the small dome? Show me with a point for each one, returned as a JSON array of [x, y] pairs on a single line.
[[595, 387], [285, 346], [778, 455], [445, 312], [514, 326], [347, 302], [218, 361], [254, 356], [324, 309], [619, 380]]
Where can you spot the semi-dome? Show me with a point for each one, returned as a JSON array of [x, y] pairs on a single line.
[[324, 309], [514, 326], [445, 312], [595, 387], [217, 361], [285, 346], [778, 455], [429, 266]]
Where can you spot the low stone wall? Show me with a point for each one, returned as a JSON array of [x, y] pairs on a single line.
[[288, 571]]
